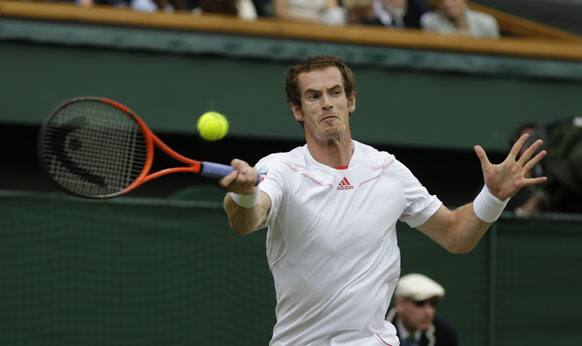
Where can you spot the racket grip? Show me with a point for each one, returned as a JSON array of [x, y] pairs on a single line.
[[217, 170]]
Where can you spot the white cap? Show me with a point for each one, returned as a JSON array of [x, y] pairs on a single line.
[[418, 287]]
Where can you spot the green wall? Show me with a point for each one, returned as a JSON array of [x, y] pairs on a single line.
[[171, 272], [405, 97]]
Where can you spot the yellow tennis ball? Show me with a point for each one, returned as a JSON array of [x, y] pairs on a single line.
[[212, 126]]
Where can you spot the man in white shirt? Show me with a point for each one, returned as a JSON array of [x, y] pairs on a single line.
[[455, 17], [331, 208]]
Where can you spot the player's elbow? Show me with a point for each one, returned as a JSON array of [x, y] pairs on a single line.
[[457, 242], [238, 229], [459, 249]]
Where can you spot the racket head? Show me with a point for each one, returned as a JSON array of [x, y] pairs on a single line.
[[95, 147]]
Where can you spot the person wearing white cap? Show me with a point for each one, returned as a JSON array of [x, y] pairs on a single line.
[[413, 315]]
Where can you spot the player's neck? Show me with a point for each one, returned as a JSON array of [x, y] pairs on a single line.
[[331, 152]]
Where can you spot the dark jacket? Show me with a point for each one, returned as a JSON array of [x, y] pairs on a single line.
[[438, 334]]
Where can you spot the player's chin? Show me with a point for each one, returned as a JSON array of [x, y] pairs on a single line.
[[330, 134]]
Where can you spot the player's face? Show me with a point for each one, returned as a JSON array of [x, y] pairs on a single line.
[[325, 108], [416, 315]]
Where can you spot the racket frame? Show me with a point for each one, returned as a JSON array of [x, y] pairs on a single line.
[[205, 168]]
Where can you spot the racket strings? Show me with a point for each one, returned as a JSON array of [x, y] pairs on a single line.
[[93, 149]]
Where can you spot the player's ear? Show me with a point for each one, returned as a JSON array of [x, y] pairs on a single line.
[[296, 110], [352, 103]]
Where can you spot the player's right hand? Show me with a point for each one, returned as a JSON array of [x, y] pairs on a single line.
[[242, 180]]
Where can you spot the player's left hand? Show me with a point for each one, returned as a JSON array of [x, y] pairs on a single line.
[[505, 179]]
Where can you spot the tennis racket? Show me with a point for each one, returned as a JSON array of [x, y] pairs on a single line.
[[98, 148]]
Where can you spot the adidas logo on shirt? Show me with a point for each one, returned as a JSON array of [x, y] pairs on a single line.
[[344, 184]]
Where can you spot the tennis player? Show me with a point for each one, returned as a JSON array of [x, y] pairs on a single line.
[[331, 208]]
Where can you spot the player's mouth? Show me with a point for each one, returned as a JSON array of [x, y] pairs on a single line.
[[328, 117]]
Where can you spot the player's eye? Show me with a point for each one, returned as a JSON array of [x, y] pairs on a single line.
[[312, 97]]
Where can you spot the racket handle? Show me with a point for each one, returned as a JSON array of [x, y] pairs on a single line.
[[217, 170]]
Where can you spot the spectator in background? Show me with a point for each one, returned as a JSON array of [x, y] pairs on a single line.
[[455, 17], [327, 12], [244, 9], [563, 167], [413, 315], [387, 13]]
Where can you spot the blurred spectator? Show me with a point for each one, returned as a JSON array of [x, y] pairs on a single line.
[[388, 13], [315, 11], [563, 167], [263, 8], [413, 315], [243, 9], [454, 16], [116, 3]]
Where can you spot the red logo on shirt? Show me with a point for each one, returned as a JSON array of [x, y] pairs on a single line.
[[344, 184]]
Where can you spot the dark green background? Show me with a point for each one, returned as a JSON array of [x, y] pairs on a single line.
[[154, 272]]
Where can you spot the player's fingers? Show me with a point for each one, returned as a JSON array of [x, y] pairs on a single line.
[[535, 181], [531, 163], [228, 180], [527, 154], [482, 155], [248, 176], [516, 148], [252, 175], [238, 164]]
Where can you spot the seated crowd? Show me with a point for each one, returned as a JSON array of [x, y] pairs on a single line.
[[440, 16]]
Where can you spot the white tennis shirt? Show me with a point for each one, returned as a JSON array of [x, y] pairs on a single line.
[[332, 247]]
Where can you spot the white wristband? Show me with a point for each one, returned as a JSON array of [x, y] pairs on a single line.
[[488, 207], [245, 201]]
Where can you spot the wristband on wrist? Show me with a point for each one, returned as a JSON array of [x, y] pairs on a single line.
[[245, 201], [487, 207]]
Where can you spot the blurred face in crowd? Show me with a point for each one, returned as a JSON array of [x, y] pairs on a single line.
[[454, 9], [416, 315], [395, 7]]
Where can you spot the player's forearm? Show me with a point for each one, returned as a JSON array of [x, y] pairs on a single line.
[[472, 221], [244, 220], [465, 230]]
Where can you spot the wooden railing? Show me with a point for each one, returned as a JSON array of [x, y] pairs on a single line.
[[272, 28], [522, 27]]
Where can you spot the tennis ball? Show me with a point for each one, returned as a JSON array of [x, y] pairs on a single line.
[[212, 126]]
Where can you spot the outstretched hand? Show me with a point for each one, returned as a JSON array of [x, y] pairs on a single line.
[[505, 179]]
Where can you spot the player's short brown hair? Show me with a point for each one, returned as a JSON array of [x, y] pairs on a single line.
[[316, 63]]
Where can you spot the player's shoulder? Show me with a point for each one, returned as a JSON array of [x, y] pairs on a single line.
[[380, 159], [283, 160], [283, 156], [373, 157]]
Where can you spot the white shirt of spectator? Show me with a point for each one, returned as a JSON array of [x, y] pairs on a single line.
[[479, 24]]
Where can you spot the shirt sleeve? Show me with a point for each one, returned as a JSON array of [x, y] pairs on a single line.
[[419, 204], [272, 183]]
